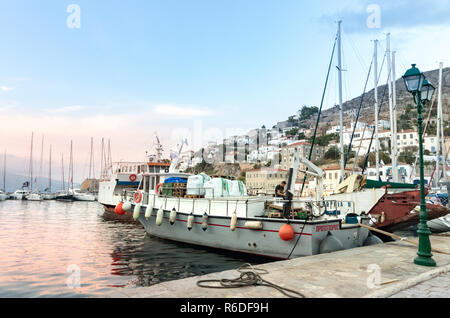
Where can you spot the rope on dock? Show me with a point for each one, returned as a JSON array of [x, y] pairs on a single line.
[[246, 279]]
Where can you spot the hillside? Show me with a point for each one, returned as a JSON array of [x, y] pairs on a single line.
[[331, 116]]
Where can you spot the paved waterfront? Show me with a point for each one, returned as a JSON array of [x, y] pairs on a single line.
[[438, 287], [374, 271]]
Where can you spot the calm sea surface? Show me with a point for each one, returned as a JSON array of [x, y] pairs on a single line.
[[45, 246]]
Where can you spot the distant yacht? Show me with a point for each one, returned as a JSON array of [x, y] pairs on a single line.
[[64, 195], [3, 195], [79, 195], [34, 196], [21, 194], [69, 194]]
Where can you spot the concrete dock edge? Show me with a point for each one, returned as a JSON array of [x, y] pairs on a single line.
[[408, 283]]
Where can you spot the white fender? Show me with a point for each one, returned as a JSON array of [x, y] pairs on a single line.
[[126, 206], [148, 211], [190, 221], [254, 225], [159, 216], [173, 216], [233, 221], [137, 211], [205, 221]]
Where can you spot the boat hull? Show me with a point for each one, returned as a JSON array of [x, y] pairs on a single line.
[[64, 197], [263, 242], [84, 197], [440, 225]]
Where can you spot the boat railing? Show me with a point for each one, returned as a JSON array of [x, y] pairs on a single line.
[[330, 207]]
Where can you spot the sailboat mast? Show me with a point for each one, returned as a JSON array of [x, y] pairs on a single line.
[[42, 157], [394, 128], [71, 167], [341, 120], [109, 167], [375, 62], [62, 168], [50, 171], [440, 131], [31, 163], [101, 160], [4, 172], [90, 162]]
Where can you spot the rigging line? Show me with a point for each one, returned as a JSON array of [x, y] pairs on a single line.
[[357, 115], [413, 171], [355, 50], [320, 111], [365, 127], [374, 126]]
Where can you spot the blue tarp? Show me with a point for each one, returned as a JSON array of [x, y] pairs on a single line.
[[175, 180]]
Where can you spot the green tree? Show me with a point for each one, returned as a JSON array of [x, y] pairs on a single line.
[[306, 112], [332, 153]]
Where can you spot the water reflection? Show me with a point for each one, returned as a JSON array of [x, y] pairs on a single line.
[[40, 240]]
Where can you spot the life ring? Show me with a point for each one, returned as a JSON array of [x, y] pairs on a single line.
[[133, 177], [137, 196], [158, 187]]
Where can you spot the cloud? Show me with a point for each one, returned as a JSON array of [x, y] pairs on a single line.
[[66, 109], [6, 88], [393, 14], [181, 111], [6, 107]]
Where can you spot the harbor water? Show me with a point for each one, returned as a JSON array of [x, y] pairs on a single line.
[[70, 249]]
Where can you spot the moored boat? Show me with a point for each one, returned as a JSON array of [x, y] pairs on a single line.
[[245, 224], [126, 176], [79, 195]]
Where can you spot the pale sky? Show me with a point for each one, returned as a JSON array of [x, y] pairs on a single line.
[[172, 66]]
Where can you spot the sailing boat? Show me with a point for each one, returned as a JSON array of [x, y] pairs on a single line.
[[439, 193], [48, 195], [80, 195], [34, 195], [67, 195], [397, 207]]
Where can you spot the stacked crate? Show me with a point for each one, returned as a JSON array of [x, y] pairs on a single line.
[[179, 190]]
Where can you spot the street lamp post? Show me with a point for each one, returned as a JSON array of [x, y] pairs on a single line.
[[422, 91]]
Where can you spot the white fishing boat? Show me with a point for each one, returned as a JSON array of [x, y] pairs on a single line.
[[3, 195], [126, 176], [119, 177], [247, 224]]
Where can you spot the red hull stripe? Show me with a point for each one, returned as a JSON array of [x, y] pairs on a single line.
[[239, 227]]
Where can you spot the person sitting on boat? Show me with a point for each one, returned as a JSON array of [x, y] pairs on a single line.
[[279, 190]]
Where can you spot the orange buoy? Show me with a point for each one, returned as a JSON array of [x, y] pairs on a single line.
[[286, 232], [119, 210]]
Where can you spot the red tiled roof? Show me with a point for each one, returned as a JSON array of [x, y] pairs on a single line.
[[299, 143]]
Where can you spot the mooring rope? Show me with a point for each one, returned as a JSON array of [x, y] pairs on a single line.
[[246, 279]]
